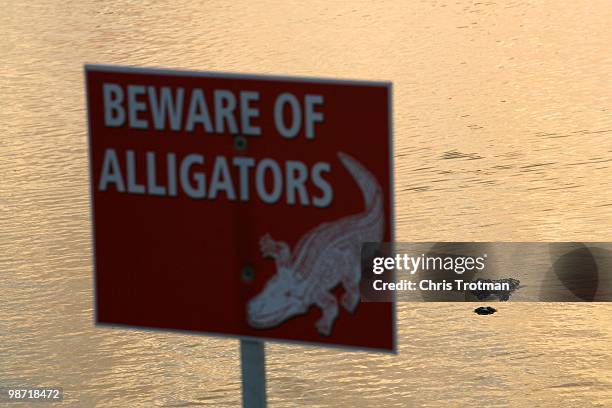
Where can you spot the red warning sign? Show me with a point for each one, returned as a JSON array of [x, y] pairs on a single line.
[[237, 204]]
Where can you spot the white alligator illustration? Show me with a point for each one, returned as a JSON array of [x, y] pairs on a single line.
[[324, 257]]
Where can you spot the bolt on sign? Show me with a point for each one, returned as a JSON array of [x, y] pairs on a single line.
[[236, 205]]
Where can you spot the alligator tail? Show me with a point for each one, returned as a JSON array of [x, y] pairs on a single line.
[[370, 189]]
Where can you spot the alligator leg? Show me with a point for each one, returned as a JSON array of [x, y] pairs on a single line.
[[277, 250], [350, 282], [327, 303]]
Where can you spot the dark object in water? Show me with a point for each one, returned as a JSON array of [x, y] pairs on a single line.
[[502, 294], [485, 310]]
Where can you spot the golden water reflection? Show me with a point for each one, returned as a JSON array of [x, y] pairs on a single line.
[[503, 131]]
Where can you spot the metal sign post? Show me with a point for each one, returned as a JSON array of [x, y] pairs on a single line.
[[253, 364]]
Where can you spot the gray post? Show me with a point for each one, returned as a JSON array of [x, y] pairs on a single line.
[[253, 363]]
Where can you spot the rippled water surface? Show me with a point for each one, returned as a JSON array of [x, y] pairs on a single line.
[[503, 131]]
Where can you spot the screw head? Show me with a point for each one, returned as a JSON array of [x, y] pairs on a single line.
[[247, 273], [240, 143]]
